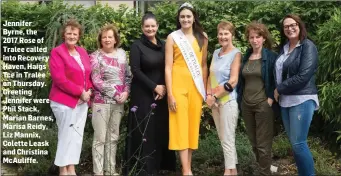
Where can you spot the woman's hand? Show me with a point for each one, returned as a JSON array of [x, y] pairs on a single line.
[[219, 91], [158, 97], [171, 103], [210, 101], [270, 102], [276, 95], [160, 90], [85, 95], [122, 97], [80, 102]]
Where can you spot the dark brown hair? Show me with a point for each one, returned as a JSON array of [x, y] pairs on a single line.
[[261, 30], [227, 26], [303, 31], [74, 25], [106, 28], [198, 31], [148, 15]]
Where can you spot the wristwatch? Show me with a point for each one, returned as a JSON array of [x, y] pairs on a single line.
[[216, 98]]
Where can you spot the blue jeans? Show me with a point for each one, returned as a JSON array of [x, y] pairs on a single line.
[[296, 122]]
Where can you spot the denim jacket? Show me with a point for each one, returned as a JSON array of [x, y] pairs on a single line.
[[298, 76]]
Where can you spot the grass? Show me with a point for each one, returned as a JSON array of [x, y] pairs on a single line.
[[209, 158]]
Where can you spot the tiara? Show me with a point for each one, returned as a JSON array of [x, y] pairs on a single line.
[[186, 4]]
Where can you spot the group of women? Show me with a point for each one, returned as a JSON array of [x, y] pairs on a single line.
[[167, 83]]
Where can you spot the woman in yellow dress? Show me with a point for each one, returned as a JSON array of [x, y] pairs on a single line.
[[186, 76]]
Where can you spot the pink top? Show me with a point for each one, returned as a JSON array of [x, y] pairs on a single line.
[[110, 76], [68, 79]]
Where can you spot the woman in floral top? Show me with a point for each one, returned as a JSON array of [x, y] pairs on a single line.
[[111, 79]]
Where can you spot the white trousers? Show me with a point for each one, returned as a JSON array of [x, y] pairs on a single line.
[[106, 119], [225, 119], [70, 124]]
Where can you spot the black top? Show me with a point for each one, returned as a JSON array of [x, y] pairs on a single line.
[[147, 62]]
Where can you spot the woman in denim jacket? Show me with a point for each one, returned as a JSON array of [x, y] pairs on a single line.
[[296, 90]]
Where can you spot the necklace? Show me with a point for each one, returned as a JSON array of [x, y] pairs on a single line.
[[253, 66], [255, 56]]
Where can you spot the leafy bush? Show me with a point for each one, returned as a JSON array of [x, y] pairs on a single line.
[[329, 43], [326, 162], [281, 146]]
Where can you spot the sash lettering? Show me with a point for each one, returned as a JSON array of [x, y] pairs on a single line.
[[191, 60]]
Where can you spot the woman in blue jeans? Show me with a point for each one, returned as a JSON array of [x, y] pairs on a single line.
[[296, 89]]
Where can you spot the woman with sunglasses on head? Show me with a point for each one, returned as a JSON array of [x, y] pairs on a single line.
[[296, 90], [186, 75]]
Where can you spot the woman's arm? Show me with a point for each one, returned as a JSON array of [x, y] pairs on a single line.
[[204, 61], [128, 76], [210, 100], [169, 64], [127, 80], [272, 84], [208, 87], [235, 68], [168, 72]]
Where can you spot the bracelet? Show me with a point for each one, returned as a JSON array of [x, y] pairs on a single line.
[[216, 98], [228, 87]]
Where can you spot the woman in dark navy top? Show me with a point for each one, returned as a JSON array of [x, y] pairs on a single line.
[[147, 140]]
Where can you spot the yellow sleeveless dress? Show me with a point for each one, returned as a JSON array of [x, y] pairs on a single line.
[[185, 122]]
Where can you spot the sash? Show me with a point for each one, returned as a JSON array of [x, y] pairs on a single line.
[[191, 60]]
